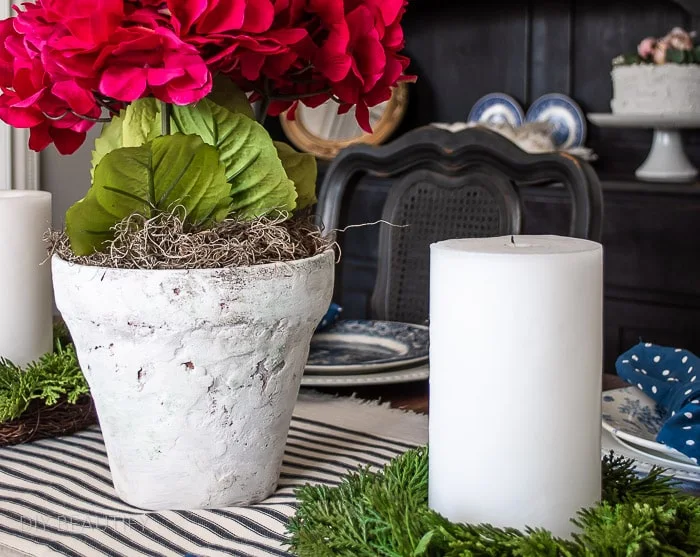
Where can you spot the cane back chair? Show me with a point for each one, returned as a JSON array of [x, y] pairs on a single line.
[[449, 185]]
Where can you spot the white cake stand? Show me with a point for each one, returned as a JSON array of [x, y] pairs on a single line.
[[666, 161]]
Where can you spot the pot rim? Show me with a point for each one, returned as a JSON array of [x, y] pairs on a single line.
[[328, 251]]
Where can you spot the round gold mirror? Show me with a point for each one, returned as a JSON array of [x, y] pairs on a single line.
[[323, 132]]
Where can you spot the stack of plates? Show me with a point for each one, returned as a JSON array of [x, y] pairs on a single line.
[[633, 420], [359, 352]]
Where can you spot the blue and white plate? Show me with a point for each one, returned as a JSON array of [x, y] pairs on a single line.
[[632, 416], [419, 372], [565, 117], [497, 108], [360, 346]]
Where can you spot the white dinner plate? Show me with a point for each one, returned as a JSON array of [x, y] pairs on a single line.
[[365, 379], [659, 458], [350, 347], [643, 462], [634, 417]]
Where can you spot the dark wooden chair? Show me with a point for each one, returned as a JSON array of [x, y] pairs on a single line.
[[449, 185]]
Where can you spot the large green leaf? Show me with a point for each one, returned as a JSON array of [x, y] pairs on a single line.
[[171, 171], [110, 139], [302, 170], [259, 184]]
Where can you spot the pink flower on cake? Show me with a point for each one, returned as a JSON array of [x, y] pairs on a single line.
[[646, 47], [679, 39]]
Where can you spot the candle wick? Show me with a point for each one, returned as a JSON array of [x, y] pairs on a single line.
[[512, 240]]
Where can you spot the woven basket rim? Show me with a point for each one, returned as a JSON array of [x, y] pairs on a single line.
[[41, 422]]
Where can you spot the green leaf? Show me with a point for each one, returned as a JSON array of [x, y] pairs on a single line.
[[141, 122], [135, 125], [227, 94], [696, 53], [259, 184], [88, 225], [110, 139], [628, 60], [170, 171], [301, 169], [675, 56]]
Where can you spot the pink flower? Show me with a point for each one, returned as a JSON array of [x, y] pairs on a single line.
[[369, 51], [89, 21], [315, 49], [140, 61], [679, 39], [646, 47], [126, 51], [29, 100], [204, 17], [56, 55], [246, 58]]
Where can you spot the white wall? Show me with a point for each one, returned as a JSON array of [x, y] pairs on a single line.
[[67, 177]]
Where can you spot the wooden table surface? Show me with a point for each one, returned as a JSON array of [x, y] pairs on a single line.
[[414, 396]]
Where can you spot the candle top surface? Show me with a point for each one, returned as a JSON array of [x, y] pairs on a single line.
[[25, 194], [518, 245]]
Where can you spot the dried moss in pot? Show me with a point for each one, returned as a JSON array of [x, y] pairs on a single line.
[[167, 242]]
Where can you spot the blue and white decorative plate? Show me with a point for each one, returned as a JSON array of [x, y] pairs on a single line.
[[419, 372], [565, 117], [632, 416], [360, 346], [497, 108]]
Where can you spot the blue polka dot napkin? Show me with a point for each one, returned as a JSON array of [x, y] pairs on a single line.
[[670, 377], [332, 315]]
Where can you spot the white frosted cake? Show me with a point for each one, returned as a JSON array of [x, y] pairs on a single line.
[[656, 89]]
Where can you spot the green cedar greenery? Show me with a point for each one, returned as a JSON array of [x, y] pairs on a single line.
[[52, 377], [386, 514]]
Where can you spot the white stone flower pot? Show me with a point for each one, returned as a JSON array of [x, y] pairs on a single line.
[[194, 373]]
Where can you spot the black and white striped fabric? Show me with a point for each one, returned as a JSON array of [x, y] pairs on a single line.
[[56, 495]]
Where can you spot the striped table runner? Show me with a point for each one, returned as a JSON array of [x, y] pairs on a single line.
[[56, 495]]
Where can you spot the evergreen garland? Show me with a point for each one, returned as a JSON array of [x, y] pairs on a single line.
[[386, 514], [53, 376]]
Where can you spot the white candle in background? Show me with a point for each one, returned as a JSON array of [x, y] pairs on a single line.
[[26, 295], [515, 380]]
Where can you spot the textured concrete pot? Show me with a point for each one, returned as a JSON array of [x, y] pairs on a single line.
[[194, 373]]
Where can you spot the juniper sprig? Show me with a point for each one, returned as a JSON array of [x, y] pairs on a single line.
[[53, 376], [386, 514]]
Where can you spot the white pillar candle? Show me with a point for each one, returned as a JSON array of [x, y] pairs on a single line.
[[26, 295], [515, 380]]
